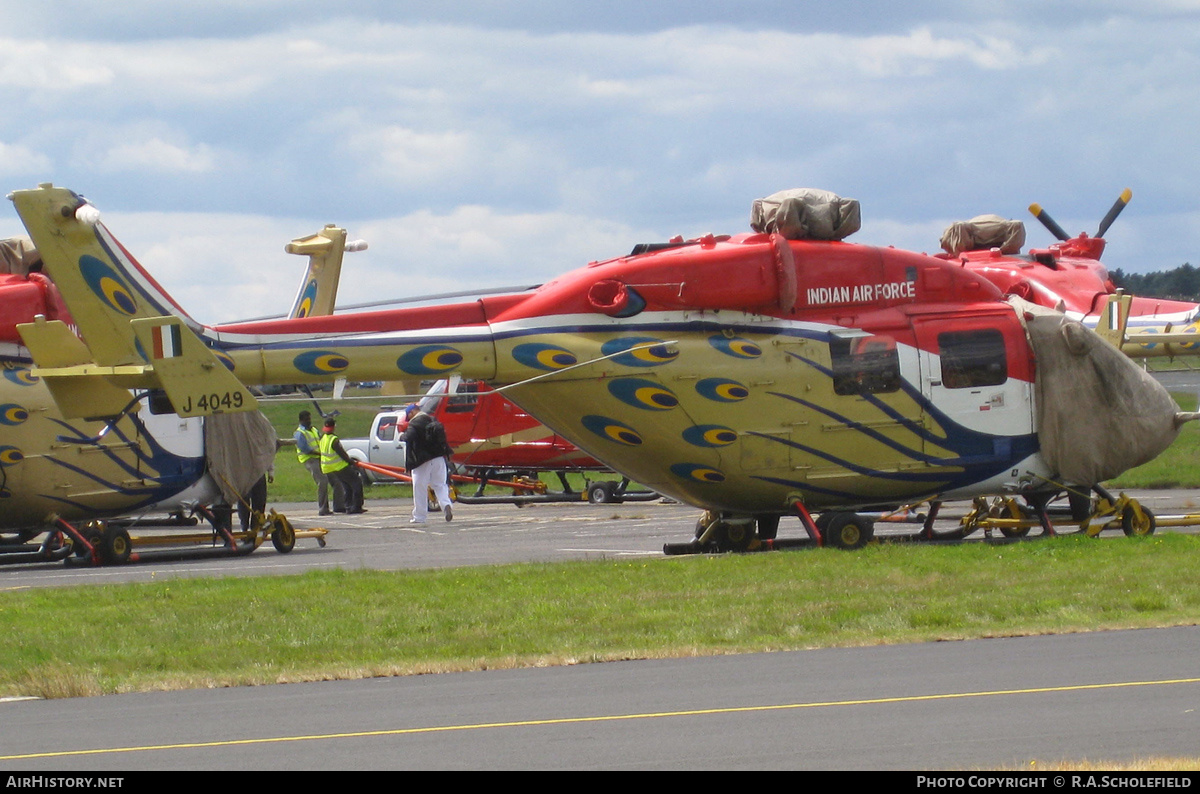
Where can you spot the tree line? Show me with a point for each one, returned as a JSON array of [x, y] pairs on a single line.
[[1182, 283]]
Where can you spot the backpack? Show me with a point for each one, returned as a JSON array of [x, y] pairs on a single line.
[[435, 438]]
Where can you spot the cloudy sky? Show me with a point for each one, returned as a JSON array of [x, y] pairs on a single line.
[[501, 143]]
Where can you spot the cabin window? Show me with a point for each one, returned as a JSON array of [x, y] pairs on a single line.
[[865, 365], [387, 429], [973, 358], [464, 401], [160, 403]]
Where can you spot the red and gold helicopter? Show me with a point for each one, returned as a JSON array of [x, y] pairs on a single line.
[[55, 467], [754, 375]]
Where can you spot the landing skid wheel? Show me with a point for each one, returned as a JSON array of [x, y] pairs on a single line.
[[849, 531], [600, 493], [720, 534], [283, 537], [1012, 510], [734, 535], [92, 534], [115, 546], [1137, 522]]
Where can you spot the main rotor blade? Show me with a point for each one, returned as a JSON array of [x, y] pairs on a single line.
[[1048, 222], [1122, 200]]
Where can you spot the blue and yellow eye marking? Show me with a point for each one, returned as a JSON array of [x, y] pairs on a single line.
[[643, 394], [652, 351], [21, 376], [722, 390], [736, 347], [429, 360], [1191, 329], [307, 297], [10, 456], [710, 436], [224, 359], [697, 473], [612, 430], [104, 282], [544, 357], [12, 414], [320, 362]]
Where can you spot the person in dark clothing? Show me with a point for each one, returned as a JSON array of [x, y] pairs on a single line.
[[425, 451], [255, 500]]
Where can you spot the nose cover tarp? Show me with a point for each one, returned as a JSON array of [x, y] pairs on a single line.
[[1098, 412]]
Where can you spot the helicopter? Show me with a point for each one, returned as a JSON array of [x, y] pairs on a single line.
[[1068, 276], [753, 375], [79, 469]]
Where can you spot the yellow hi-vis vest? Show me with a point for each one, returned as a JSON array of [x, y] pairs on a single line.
[[314, 441], [330, 460]]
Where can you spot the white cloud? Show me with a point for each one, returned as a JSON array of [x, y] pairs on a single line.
[[609, 124], [411, 157], [36, 65], [156, 155], [16, 159]]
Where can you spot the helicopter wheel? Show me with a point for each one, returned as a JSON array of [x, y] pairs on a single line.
[[599, 493], [849, 531], [734, 535], [115, 546], [284, 536], [1014, 532], [92, 534], [1137, 524]]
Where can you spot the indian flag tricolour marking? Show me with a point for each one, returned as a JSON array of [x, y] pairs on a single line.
[[167, 342]]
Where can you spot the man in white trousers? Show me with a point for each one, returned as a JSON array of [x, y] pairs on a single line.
[[425, 459]]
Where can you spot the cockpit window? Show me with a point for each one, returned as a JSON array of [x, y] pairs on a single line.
[[865, 365], [973, 358]]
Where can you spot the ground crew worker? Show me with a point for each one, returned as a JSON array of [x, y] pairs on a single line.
[[308, 450], [342, 472]]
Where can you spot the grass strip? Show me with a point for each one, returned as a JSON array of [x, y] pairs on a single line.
[[351, 624]]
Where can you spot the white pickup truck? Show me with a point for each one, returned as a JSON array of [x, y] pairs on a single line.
[[382, 447]]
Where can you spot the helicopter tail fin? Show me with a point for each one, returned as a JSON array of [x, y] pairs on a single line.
[[134, 334], [1114, 319], [318, 290], [102, 284]]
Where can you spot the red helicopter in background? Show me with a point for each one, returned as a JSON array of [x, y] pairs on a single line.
[[496, 443], [1068, 276]]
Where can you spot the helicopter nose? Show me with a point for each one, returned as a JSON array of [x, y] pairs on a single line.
[[1099, 413]]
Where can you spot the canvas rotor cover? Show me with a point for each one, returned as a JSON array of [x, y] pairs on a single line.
[[984, 231], [18, 256], [806, 214], [1099, 413], [240, 448]]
